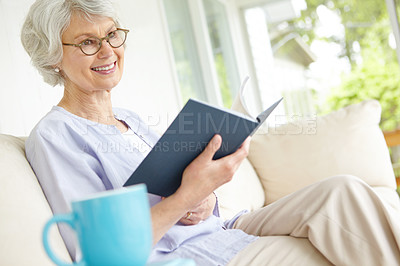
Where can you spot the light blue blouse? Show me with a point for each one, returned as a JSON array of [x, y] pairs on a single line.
[[73, 157]]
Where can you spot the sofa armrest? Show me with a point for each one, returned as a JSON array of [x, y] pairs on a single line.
[[23, 210]]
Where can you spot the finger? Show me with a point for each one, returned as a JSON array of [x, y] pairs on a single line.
[[198, 208], [212, 147], [240, 153], [193, 219], [188, 222], [246, 142], [200, 205]]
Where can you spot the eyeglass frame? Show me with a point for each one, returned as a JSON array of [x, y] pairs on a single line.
[[107, 38]]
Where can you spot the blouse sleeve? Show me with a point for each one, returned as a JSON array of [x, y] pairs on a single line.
[[63, 173]]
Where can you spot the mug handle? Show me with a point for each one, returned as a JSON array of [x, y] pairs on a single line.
[[63, 218]]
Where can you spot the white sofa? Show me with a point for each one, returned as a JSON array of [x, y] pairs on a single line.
[[281, 160]]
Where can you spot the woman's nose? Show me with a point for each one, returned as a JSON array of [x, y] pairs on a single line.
[[106, 50]]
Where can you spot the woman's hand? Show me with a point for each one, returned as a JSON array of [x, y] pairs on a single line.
[[200, 178], [203, 175], [201, 212]]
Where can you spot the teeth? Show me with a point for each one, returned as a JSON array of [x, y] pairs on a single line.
[[103, 68]]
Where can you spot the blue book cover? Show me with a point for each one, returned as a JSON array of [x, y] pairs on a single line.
[[186, 138]]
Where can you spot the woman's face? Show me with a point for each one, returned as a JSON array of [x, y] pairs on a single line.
[[94, 73]]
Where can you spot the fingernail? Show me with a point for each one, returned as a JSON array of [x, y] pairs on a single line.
[[215, 140]]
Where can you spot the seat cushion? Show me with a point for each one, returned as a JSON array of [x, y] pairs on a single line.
[[23, 210]]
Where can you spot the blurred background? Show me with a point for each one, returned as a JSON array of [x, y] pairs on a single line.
[[320, 55]]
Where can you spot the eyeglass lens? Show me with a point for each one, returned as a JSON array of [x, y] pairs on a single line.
[[92, 45]]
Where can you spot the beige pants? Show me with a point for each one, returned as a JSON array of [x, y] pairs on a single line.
[[342, 217]]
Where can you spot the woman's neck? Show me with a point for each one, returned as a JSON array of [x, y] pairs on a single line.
[[94, 106]]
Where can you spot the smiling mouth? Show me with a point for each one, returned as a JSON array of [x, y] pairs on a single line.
[[104, 68]]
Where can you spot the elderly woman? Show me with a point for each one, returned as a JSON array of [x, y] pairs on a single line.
[[84, 145]]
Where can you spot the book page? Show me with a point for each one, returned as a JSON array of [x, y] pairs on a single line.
[[241, 96]]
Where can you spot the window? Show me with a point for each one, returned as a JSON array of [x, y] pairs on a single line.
[[224, 57], [393, 7], [280, 58], [331, 54], [326, 54], [203, 51], [185, 50]]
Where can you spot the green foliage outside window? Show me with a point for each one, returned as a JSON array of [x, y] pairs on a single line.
[[378, 75], [226, 91], [221, 43]]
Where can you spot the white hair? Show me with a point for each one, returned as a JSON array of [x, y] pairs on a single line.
[[44, 25]]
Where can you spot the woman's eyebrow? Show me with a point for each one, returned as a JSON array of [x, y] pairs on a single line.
[[112, 27], [91, 34], [83, 35]]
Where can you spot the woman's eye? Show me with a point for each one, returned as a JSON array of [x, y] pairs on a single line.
[[88, 42], [111, 35]]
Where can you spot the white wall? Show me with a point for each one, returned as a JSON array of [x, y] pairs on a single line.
[[148, 86]]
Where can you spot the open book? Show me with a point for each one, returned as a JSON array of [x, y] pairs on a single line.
[[186, 138]]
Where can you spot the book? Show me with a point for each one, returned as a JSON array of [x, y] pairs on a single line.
[[186, 137]]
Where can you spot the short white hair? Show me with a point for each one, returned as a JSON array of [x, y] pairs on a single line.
[[44, 25]]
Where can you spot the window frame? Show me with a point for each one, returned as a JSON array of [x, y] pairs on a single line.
[[205, 51], [394, 20]]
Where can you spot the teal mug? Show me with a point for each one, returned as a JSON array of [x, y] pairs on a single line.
[[113, 228]]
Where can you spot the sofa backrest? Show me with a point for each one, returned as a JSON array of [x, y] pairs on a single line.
[[23, 210], [349, 141], [244, 192]]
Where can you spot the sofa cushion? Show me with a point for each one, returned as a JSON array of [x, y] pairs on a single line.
[[23, 210], [244, 192], [348, 141]]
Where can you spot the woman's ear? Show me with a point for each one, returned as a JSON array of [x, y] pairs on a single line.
[[57, 68]]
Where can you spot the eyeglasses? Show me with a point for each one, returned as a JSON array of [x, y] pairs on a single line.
[[92, 45]]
